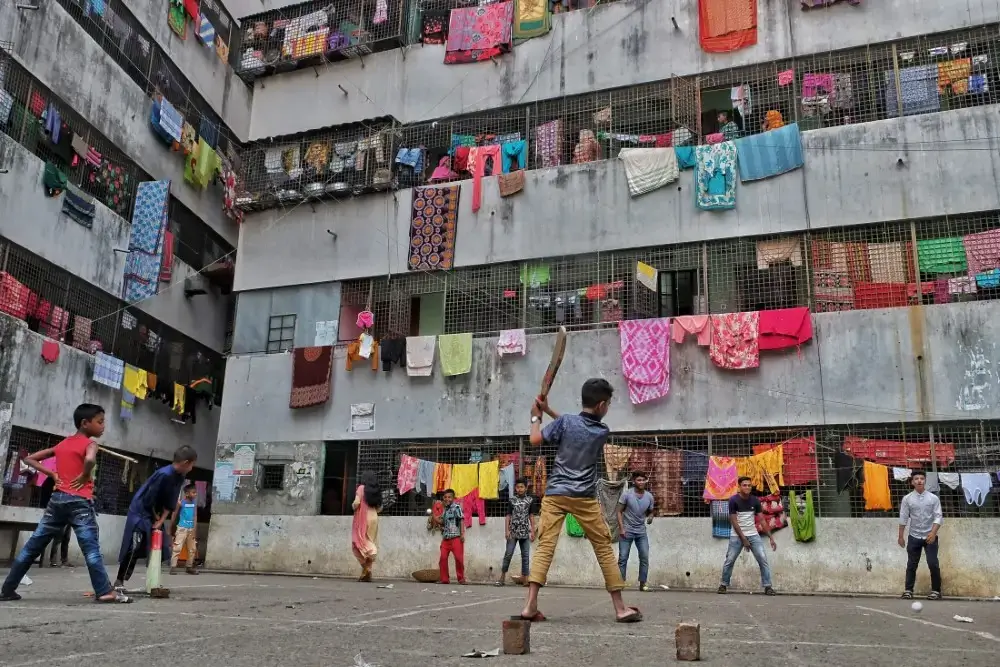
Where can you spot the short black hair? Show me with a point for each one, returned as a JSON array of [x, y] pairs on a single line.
[[190, 487], [86, 412], [521, 481], [637, 475], [743, 479], [447, 491], [918, 472], [595, 390], [184, 454]]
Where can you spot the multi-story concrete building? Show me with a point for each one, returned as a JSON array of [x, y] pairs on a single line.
[[894, 104], [78, 86]]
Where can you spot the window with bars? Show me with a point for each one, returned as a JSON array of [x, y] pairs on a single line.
[[272, 477], [280, 333], [676, 464]]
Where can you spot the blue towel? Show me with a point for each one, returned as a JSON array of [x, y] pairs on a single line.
[[209, 131], [412, 157], [919, 88], [685, 156], [988, 279], [770, 153], [514, 151]]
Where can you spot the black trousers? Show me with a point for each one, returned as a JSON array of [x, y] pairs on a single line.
[[914, 547], [138, 548]]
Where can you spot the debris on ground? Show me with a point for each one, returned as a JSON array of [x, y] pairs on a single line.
[[388, 586], [963, 619], [159, 592], [26, 580], [476, 653], [665, 587]]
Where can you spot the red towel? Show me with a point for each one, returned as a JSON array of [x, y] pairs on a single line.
[[788, 327], [14, 296], [191, 7], [50, 351], [311, 380], [893, 453], [727, 25], [798, 457], [167, 259], [880, 295]]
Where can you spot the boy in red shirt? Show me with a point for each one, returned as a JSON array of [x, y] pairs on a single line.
[[72, 504]]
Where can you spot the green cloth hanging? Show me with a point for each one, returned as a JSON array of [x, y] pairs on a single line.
[[942, 255], [573, 528], [803, 525], [176, 18], [53, 180]]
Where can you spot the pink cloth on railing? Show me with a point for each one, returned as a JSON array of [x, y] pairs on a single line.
[[699, 325], [478, 157], [788, 327], [982, 251], [816, 84], [716, 138], [406, 480], [735, 341], [548, 143], [645, 348], [721, 479]]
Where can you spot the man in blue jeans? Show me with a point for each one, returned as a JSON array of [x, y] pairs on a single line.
[[72, 504], [743, 509], [635, 512]]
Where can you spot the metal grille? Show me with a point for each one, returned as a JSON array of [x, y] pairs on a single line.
[[115, 480], [939, 447], [123, 38], [125, 332], [846, 268], [272, 477], [318, 32], [337, 162]]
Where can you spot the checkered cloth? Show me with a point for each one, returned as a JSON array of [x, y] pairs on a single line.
[[109, 370]]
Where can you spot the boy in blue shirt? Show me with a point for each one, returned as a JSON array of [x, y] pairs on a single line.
[[185, 529]]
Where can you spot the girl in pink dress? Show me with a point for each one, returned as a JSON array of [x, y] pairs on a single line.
[[364, 530]]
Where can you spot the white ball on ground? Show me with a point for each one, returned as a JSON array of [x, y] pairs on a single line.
[[916, 606]]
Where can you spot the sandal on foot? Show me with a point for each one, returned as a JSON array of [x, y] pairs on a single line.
[[119, 598], [769, 591], [934, 596], [634, 616], [539, 617], [500, 583], [907, 595], [722, 590]]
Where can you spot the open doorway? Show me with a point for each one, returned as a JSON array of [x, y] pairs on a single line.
[[340, 477]]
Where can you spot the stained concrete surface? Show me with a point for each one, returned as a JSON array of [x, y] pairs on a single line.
[[259, 620]]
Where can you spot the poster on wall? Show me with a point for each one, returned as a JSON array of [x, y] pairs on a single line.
[[243, 459], [223, 483], [326, 333], [362, 417]]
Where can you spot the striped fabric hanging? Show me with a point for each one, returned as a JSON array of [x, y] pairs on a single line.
[[206, 32]]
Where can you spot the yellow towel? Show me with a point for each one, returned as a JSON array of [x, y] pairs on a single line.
[[143, 385], [130, 381], [178, 398], [456, 353], [489, 480], [464, 478], [876, 487]]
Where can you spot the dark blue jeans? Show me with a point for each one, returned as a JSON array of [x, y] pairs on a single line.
[[914, 547], [63, 510], [523, 543], [625, 550]]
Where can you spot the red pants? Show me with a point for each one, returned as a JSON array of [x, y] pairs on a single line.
[[455, 546], [472, 503]]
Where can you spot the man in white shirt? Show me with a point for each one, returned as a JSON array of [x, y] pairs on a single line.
[[921, 510]]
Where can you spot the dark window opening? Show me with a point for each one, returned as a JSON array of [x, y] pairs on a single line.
[[272, 477], [280, 333]]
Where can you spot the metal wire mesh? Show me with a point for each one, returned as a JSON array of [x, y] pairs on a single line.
[[122, 37], [317, 32], [809, 463], [125, 332]]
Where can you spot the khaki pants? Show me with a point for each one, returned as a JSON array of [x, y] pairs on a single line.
[[184, 536], [588, 513]]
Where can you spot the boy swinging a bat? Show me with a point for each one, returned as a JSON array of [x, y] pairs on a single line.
[[572, 489]]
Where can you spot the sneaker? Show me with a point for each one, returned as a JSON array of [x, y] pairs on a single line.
[[9, 597], [722, 590], [907, 595], [934, 596], [769, 591], [644, 588]]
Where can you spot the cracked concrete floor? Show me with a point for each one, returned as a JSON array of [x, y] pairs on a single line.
[[225, 620]]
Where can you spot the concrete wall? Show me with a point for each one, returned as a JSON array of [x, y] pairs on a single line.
[[875, 366], [848, 556], [309, 303], [614, 45], [87, 79], [202, 317], [12, 339], [241, 8], [587, 208], [302, 488], [48, 393], [109, 525], [214, 80]]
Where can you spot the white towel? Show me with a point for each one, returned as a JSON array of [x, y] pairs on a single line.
[[949, 479], [420, 355], [931, 483], [902, 474], [649, 168], [976, 486], [512, 341]]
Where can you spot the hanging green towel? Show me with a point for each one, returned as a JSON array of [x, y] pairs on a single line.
[[53, 180], [573, 528], [803, 525], [942, 255], [455, 351], [534, 275]]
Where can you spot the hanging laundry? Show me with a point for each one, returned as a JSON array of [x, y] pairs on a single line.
[[735, 340], [406, 478], [79, 206], [433, 219], [149, 218], [616, 459], [949, 479], [393, 351], [420, 355], [788, 327], [876, 487], [510, 184], [722, 527], [715, 176], [311, 376], [489, 480], [645, 350], [587, 149], [514, 155], [904, 454], [902, 474], [685, 157], [647, 276], [50, 351], [482, 158], [727, 25], [53, 180], [425, 477], [548, 144], [945, 255], [648, 169], [479, 33], [803, 521], [953, 76], [609, 493], [715, 138], [772, 516], [108, 370], [919, 88], [15, 297], [889, 262], [699, 325], [456, 353], [532, 18], [81, 332], [665, 483], [976, 486], [813, 4], [167, 258], [127, 405], [365, 348], [170, 119], [982, 251], [799, 466], [512, 341], [880, 295], [721, 479], [442, 477], [206, 31], [779, 250], [180, 399], [849, 471], [770, 153]]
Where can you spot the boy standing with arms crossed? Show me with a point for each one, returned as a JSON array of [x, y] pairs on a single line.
[[71, 504], [185, 530], [572, 489]]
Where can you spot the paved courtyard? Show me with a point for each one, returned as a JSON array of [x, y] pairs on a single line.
[[222, 620]]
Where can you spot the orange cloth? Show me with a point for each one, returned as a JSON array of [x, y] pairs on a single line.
[[442, 477], [727, 25], [773, 120], [876, 487], [150, 381], [954, 74], [353, 354]]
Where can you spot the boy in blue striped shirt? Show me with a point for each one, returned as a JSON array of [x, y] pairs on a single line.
[[185, 529]]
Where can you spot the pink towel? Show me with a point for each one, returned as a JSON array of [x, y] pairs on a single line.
[[816, 84], [478, 156], [716, 138], [721, 480], [735, 341], [983, 251], [406, 480], [512, 341], [783, 328], [646, 358], [693, 324]]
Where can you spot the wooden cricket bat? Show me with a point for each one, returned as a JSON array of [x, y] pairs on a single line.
[[557, 356]]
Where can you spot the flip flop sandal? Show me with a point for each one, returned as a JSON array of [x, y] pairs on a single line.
[[500, 583], [634, 617], [119, 598], [539, 617]]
